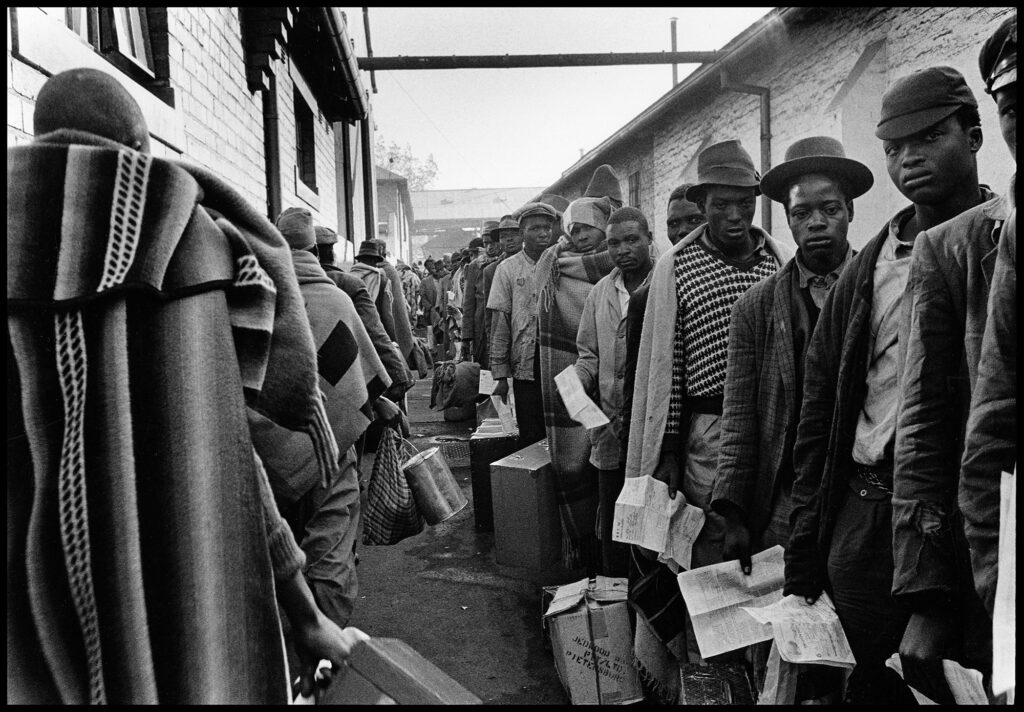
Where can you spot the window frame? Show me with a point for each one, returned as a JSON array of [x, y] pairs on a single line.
[[634, 188]]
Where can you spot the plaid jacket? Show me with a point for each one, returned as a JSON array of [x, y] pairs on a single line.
[[760, 409]]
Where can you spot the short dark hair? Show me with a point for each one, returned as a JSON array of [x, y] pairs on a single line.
[[968, 117], [628, 213], [840, 182], [680, 192]]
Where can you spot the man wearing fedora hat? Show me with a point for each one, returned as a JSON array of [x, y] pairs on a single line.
[[674, 430], [842, 535], [769, 331], [948, 288]]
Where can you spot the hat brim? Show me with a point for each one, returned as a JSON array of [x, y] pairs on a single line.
[[723, 176], [1005, 79], [856, 177], [909, 124]]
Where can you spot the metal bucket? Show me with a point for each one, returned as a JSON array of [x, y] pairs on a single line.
[[433, 486]]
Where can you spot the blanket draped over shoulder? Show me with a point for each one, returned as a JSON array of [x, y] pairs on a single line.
[[148, 304], [564, 279]]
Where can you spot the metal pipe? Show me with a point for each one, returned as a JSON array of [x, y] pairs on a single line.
[[368, 192], [272, 148], [675, 67], [766, 135], [369, 46], [512, 61], [346, 160]]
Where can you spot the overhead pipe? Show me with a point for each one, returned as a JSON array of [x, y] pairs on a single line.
[[766, 134], [515, 61], [369, 46]]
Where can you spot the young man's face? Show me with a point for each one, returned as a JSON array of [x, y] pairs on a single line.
[[928, 167], [536, 231], [683, 218], [511, 241], [819, 218], [585, 238], [730, 213], [629, 245], [1006, 106], [493, 247]]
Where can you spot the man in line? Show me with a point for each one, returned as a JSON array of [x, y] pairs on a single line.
[[367, 268], [770, 328], [472, 309], [507, 240], [602, 354], [674, 432], [991, 439], [399, 311], [427, 294], [842, 535], [948, 293], [513, 304]]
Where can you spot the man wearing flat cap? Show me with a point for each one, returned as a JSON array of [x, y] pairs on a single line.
[[506, 240], [472, 307], [677, 399], [769, 331], [843, 497], [948, 289], [513, 305], [991, 438]]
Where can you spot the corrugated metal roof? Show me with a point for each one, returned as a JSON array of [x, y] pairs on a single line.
[[469, 204]]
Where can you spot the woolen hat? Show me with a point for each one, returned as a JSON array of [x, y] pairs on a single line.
[[998, 58], [369, 248], [535, 209], [817, 154], [296, 224], [555, 201], [922, 99], [725, 163], [325, 235], [604, 184]]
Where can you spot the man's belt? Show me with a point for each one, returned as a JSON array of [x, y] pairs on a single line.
[[877, 476]]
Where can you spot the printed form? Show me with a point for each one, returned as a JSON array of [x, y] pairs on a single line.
[[645, 516], [581, 408]]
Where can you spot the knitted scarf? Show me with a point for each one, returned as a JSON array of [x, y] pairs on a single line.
[[564, 279], [148, 304]]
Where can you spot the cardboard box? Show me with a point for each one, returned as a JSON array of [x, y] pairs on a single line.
[[387, 671], [714, 684], [527, 530], [592, 642], [487, 444]]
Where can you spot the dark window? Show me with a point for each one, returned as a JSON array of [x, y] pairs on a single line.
[[634, 189], [305, 141]]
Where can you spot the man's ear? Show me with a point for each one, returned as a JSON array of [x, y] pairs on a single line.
[[849, 209], [975, 137]]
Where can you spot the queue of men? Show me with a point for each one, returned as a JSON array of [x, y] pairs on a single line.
[[855, 407]]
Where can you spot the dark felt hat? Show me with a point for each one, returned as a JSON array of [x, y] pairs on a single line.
[[535, 209], [476, 243], [508, 223], [555, 201], [921, 99], [603, 184], [725, 163], [998, 58], [817, 154], [325, 235], [488, 226], [369, 248], [296, 224]]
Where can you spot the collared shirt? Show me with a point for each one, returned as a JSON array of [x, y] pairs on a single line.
[[819, 285], [622, 293], [514, 292], [876, 426]]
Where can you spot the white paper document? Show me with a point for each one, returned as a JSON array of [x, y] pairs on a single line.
[[487, 382], [1004, 610], [807, 633], [716, 595], [581, 408], [683, 529], [505, 415]]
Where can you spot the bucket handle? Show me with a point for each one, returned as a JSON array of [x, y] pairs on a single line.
[[410, 449]]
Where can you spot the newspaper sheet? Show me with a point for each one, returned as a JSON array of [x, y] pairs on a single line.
[[715, 596], [683, 529], [643, 512], [487, 382], [581, 408], [965, 684], [807, 633], [1004, 611]]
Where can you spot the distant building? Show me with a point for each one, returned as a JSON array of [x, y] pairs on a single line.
[[269, 98], [825, 70], [394, 213], [447, 220]]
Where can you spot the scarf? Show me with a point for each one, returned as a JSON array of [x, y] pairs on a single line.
[[565, 279], [148, 304]]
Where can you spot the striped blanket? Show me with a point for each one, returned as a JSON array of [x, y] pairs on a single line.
[[564, 279]]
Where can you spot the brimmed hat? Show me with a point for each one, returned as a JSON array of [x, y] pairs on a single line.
[[476, 243], [296, 224], [535, 209], [488, 226], [725, 163], [369, 248], [998, 58], [817, 154], [325, 235], [508, 223], [922, 99], [604, 184]]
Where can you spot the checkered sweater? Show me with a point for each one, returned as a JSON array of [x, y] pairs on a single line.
[[706, 288]]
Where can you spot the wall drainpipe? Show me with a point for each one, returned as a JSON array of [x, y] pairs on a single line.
[[272, 148], [766, 135], [368, 188]]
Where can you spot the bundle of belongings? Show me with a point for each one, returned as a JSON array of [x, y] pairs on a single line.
[[455, 389]]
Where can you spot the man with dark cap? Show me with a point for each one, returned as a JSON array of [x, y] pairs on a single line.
[[991, 439], [159, 332], [843, 503], [506, 240], [769, 330], [677, 399], [948, 290], [513, 305], [472, 308]]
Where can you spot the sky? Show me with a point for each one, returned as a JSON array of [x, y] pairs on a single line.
[[505, 128]]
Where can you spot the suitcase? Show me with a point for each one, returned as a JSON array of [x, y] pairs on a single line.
[[487, 444], [527, 530]]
